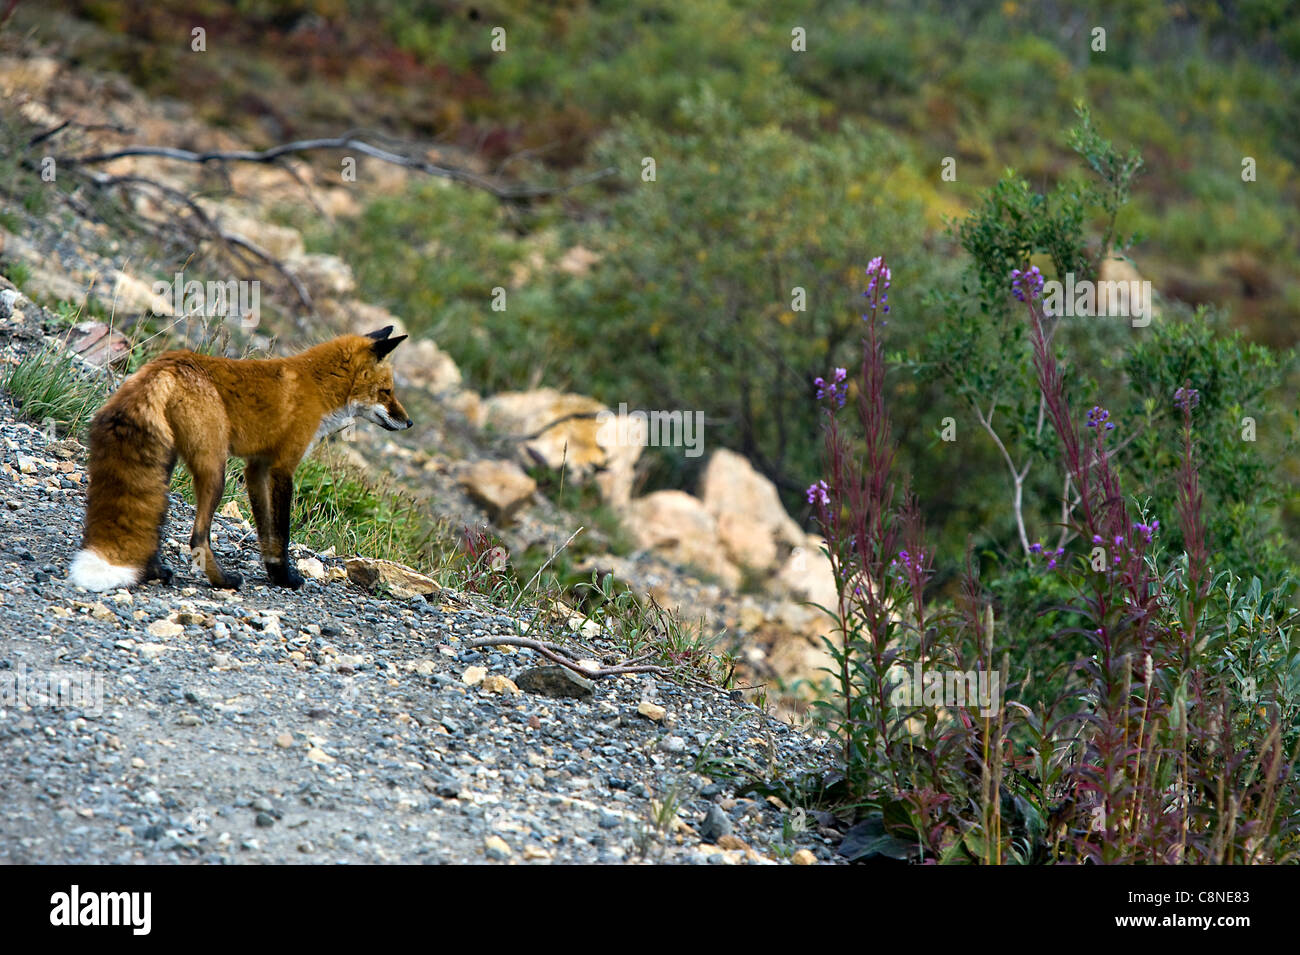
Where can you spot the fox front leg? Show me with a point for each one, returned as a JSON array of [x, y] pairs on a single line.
[[275, 548]]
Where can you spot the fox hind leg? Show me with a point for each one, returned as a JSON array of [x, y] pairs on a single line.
[[209, 481], [155, 569]]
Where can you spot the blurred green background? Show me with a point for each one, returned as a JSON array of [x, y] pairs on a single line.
[[778, 168]]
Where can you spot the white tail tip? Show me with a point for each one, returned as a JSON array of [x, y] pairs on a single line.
[[91, 571]]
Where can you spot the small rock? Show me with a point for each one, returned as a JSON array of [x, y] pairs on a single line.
[[163, 629], [496, 848], [398, 579], [312, 568], [716, 824], [499, 487], [555, 681], [652, 711], [473, 676], [804, 857], [499, 684]]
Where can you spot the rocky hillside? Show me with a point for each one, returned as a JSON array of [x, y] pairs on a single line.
[[348, 722], [726, 552], [332, 724]]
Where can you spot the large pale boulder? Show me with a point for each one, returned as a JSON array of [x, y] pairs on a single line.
[[351, 316], [679, 528], [752, 522], [806, 574], [499, 487], [622, 438], [27, 75], [422, 364], [1122, 270], [746, 541], [571, 431], [134, 295], [559, 430]]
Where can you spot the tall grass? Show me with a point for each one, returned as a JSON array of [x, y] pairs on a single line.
[[54, 389]]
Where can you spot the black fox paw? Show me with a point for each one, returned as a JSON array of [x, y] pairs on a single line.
[[230, 581], [159, 572], [284, 576]]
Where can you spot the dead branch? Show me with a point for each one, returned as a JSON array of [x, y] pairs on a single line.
[[343, 143], [572, 416], [556, 654], [70, 124]]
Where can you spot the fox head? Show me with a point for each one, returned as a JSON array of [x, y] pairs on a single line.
[[372, 390]]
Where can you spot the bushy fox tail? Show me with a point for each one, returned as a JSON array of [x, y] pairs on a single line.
[[131, 459]]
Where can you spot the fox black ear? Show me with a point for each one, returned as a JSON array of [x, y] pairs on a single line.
[[380, 335], [383, 346]]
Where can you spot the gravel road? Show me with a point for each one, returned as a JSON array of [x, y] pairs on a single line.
[[329, 725]]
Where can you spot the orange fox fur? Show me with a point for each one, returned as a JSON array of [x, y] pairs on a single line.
[[205, 409]]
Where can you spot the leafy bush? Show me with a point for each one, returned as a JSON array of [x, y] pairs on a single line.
[[978, 353], [1173, 738]]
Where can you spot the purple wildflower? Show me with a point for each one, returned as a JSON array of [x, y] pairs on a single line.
[[819, 494], [837, 390], [878, 286], [1147, 531], [1185, 399], [1099, 416], [1027, 285]]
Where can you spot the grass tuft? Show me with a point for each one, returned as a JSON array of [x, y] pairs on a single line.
[[53, 389]]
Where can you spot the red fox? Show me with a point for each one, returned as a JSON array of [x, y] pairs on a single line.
[[270, 412]]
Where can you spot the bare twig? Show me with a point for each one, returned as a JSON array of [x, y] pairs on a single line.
[[70, 124], [556, 654], [1018, 475], [573, 416], [339, 142]]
